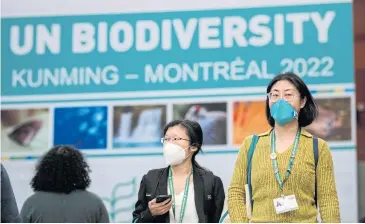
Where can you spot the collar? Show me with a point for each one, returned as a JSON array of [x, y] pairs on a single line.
[[196, 170], [303, 132]]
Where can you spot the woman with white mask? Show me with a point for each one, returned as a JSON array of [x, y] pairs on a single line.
[[184, 191]]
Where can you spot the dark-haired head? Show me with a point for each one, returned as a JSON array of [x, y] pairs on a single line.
[[61, 170], [188, 135], [291, 86]]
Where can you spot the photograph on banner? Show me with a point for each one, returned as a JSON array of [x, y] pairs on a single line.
[[332, 124], [138, 126], [211, 116], [334, 119], [249, 118], [83, 127], [24, 130]]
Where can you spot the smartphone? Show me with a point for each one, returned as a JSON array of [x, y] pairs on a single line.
[[162, 198]]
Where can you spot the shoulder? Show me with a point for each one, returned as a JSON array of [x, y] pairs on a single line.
[[218, 181], [323, 147], [4, 173], [247, 141], [87, 194], [154, 173], [266, 133], [33, 200], [202, 171], [209, 176], [5, 181], [36, 195], [212, 182], [261, 135], [152, 176], [88, 198], [322, 144]]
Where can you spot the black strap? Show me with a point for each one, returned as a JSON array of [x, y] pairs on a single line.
[[315, 153]]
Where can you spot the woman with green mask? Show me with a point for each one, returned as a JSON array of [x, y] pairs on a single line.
[[282, 175]]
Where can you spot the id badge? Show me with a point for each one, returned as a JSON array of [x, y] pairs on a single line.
[[285, 204]]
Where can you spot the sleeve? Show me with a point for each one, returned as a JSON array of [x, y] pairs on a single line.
[[326, 187], [104, 215], [219, 197], [142, 214], [9, 209], [236, 191], [25, 213]]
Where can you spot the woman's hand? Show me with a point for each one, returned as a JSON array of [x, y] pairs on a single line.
[[159, 208]]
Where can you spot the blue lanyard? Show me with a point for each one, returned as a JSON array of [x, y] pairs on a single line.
[[275, 161], [185, 197]]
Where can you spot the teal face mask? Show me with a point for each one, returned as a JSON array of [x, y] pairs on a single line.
[[283, 112]]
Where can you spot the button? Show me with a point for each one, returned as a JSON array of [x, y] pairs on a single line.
[[273, 155]]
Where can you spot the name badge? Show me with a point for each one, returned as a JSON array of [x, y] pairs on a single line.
[[285, 204]]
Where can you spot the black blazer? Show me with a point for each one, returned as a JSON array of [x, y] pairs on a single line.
[[9, 209], [209, 196]]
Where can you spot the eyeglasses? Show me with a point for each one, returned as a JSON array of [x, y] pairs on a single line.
[[273, 97], [168, 139]]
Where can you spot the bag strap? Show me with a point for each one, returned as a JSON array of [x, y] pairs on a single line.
[[251, 150], [254, 141], [223, 217], [315, 153]]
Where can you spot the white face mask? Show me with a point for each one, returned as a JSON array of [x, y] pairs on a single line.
[[174, 154]]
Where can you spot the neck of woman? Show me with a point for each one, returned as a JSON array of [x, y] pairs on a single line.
[[183, 169], [286, 132]]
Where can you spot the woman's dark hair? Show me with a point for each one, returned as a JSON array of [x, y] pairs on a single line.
[[195, 133], [308, 113], [62, 170]]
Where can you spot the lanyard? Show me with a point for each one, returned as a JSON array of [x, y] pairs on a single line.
[[185, 197], [275, 161]]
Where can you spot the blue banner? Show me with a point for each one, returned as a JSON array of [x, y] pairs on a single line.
[[176, 50]]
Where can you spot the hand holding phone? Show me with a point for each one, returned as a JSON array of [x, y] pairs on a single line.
[[160, 205], [161, 198]]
